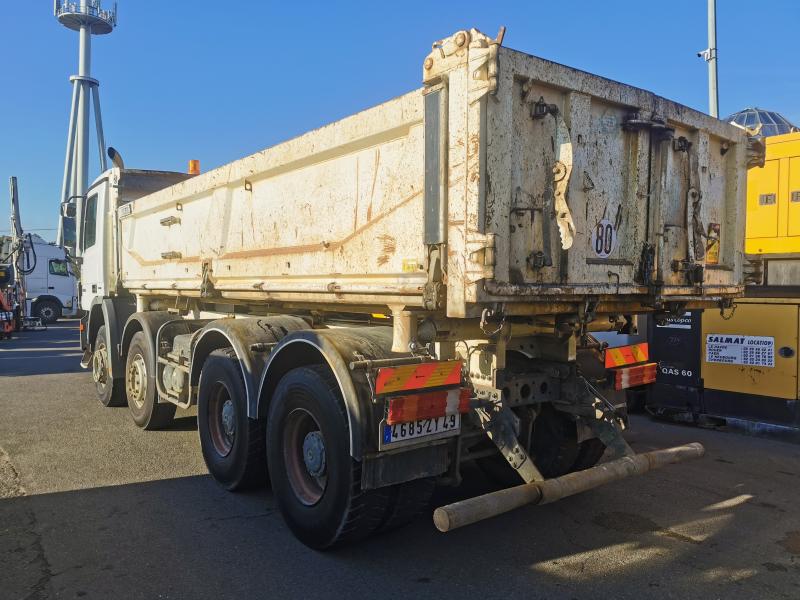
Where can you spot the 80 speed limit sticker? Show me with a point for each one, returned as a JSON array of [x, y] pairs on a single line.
[[604, 239]]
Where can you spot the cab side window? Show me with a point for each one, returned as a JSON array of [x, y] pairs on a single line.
[[58, 267], [90, 222]]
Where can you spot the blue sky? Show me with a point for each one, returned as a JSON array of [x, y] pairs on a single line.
[[219, 80]]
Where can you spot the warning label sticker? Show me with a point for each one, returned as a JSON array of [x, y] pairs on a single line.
[[748, 350]]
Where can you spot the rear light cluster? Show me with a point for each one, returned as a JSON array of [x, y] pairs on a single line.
[[406, 378], [427, 390], [628, 377], [428, 405], [622, 356]]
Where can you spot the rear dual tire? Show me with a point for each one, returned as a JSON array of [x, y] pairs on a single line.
[[233, 445], [316, 483], [554, 448], [406, 502]]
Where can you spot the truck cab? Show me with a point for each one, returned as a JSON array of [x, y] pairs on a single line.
[[98, 239], [109, 192], [52, 288]]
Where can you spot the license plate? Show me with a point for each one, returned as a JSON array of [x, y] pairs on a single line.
[[439, 426]]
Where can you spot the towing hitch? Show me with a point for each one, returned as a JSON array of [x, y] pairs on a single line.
[[472, 510]]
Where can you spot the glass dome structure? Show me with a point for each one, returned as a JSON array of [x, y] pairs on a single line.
[[771, 122]]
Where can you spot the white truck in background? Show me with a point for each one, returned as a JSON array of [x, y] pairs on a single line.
[[359, 311], [51, 288]]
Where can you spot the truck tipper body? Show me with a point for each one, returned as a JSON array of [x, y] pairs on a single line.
[[374, 303]]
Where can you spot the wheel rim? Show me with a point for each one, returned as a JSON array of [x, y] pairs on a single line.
[[47, 313], [222, 420], [100, 365], [136, 380], [304, 456]]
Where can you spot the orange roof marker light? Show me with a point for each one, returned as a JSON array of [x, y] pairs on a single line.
[[194, 167]]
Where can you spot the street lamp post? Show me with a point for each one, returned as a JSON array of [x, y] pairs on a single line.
[[710, 56], [88, 18]]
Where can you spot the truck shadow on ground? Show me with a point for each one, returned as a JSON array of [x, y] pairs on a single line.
[[186, 537]]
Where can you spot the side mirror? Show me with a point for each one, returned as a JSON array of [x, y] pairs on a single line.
[[76, 260], [68, 210]]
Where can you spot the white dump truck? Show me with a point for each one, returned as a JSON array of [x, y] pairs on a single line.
[[359, 311]]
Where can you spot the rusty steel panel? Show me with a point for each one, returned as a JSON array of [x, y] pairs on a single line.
[[552, 184], [574, 181]]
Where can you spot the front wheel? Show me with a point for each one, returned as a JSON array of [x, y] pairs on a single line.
[[48, 311], [110, 391], [317, 484]]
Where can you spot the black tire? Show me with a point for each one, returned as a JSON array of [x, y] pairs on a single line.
[[496, 468], [406, 502], [554, 444], [140, 387], [554, 449], [233, 445], [589, 454], [320, 497], [110, 392], [48, 311]]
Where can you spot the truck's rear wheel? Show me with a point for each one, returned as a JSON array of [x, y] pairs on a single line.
[[589, 454], [554, 443], [317, 484], [554, 448], [110, 391], [407, 501], [140, 387], [233, 444]]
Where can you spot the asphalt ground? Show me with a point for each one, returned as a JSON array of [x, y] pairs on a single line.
[[93, 507]]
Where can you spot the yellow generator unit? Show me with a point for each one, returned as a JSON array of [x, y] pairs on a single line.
[[750, 358], [773, 200], [750, 361]]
